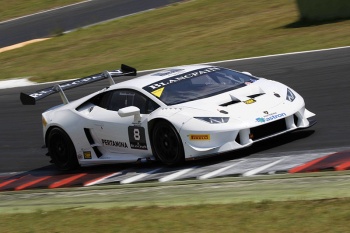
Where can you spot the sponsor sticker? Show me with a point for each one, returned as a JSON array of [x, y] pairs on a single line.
[[199, 137], [87, 155], [250, 101], [168, 81], [106, 142], [137, 138], [270, 117], [260, 119], [158, 92]]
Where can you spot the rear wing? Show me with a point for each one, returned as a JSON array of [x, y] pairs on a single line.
[[30, 99]]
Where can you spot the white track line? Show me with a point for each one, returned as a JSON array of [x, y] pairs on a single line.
[[102, 179], [218, 171], [278, 55], [176, 174], [45, 11], [138, 177], [259, 169]]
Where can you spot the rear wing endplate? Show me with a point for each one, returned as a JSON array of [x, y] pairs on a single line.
[[30, 99]]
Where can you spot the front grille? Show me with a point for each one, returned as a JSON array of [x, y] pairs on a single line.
[[268, 129]]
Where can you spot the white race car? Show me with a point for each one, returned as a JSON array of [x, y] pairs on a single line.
[[173, 115]]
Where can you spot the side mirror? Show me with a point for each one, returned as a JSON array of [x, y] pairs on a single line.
[[130, 111]]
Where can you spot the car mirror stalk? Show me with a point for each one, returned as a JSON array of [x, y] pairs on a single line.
[[131, 111]]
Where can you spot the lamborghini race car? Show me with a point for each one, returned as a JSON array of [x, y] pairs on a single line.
[[177, 114]]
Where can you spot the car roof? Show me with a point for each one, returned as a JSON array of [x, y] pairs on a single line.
[[159, 75]]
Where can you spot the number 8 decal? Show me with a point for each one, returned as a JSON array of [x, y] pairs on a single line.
[[137, 134], [137, 138]]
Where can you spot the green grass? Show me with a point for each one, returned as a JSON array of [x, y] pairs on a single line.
[[192, 32], [17, 8], [302, 216]]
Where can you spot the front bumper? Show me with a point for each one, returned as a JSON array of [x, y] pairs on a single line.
[[213, 139]]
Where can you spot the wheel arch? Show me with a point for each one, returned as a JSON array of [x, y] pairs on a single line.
[[47, 133], [152, 123]]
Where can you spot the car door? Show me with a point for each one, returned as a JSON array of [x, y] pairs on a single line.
[[116, 134]]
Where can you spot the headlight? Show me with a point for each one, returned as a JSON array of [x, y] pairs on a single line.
[[214, 120], [290, 95]]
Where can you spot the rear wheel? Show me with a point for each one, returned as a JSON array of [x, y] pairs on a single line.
[[61, 150], [166, 144]]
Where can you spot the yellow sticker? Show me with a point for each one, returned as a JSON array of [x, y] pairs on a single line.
[[158, 92], [43, 120], [250, 101], [199, 137], [87, 154]]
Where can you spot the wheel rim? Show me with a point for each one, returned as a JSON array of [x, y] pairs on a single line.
[[59, 148], [166, 143]]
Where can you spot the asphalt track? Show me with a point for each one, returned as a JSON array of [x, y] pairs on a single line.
[[64, 19], [320, 77]]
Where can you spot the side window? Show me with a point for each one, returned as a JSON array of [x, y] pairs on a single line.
[[125, 98], [105, 100], [121, 99], [102, 99]]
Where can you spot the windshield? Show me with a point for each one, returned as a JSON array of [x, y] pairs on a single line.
[[198, 84]]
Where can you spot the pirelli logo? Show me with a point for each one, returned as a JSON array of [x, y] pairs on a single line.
[[199, 137]]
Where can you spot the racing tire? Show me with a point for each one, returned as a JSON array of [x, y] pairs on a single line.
[[61, 150], [166, 144]]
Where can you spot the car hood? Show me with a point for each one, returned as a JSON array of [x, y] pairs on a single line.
[[264, 97]]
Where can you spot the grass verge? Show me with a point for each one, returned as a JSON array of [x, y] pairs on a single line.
[[291, 216], [195, 31], [17, 8]]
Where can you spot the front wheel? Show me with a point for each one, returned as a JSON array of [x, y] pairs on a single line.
[[166, 144], [61, 150]]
